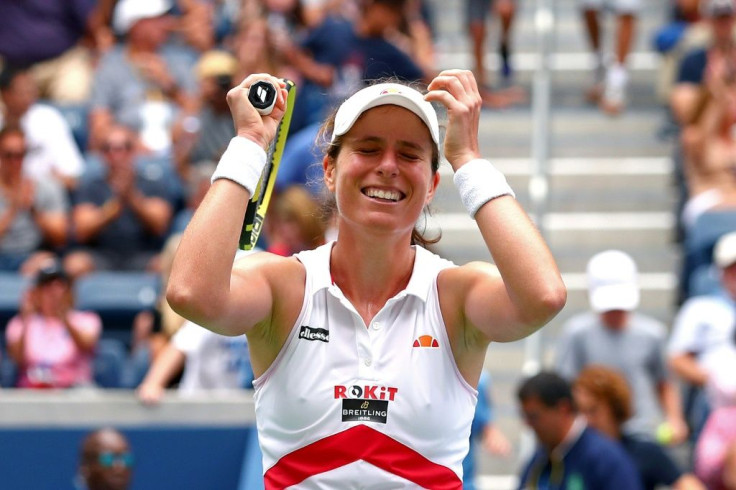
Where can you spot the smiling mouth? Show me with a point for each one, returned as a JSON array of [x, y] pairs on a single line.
[[383, 195]]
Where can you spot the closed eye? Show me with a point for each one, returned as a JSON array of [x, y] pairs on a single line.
[[410, 156], [367, 151]]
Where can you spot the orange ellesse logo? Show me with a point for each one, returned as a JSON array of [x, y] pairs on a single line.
[[426, 341]]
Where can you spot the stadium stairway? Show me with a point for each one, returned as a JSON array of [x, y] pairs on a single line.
[[610, 181]]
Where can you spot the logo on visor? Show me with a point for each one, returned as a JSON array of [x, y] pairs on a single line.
[[390, 91]]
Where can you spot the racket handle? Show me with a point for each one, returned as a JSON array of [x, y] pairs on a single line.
[[262, 95]]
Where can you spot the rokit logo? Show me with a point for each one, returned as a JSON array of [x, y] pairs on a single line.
[[309, 333], [365, 403]]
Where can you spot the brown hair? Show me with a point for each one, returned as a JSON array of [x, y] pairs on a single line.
[[331, 149], [296, 204], [610, 387]]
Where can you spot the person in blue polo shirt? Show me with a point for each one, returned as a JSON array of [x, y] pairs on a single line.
[[570, 455]]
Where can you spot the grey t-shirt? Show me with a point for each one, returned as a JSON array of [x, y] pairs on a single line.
[[24, 236], [637, 352], [120, 88]]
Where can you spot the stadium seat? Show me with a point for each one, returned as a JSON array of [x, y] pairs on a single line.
[[701, 238], [8, 372], [109, 362], [117, 296], [12, 286], [705, 280]]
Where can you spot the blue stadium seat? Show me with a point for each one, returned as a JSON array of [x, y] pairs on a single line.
[[705, 280], [117, 296], [12, 286], [8, 372], [701, 238], [109, 362]]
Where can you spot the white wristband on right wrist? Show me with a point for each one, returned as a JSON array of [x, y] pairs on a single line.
[[478, 182], [242, 162]]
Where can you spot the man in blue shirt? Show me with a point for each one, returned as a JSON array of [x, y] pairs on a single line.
[[570, 455]]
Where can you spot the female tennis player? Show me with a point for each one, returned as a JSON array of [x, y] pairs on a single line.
[[367, 350]]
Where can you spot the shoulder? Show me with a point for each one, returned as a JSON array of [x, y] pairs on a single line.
[[465, 272], [695, 59], [284, 275], [648, 326], [112, 60], [267, 262], [700, 307], [595, 445], [429, 259], [40, 113], [89, 320]]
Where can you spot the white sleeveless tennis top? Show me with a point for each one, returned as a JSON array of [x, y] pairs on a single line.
[[349, 407]]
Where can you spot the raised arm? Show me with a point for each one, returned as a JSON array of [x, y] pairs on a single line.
[[525, 290], [203, 286]]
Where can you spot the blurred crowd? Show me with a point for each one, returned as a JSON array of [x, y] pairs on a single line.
[[113, 116]]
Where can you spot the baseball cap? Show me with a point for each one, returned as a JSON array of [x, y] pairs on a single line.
[[386, 94], [128, 12], [49, 272], [612, 282], [718, 8], [724, 253], [216, 63]]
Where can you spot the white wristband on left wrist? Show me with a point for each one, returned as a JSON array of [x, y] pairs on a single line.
[[478, 182]]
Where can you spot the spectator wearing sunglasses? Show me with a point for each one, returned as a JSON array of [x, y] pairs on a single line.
[[106, 461], [121, 214], [33, 215]]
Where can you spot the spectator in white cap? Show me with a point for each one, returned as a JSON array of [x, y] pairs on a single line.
[[143, 83], [701, 349], [613, 334]]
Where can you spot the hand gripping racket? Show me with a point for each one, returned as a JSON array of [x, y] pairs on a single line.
[[262, 95]]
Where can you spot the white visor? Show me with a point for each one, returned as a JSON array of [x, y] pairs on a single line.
[[385, 94]]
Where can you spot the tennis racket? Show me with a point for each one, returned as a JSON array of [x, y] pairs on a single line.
[[262, 95]]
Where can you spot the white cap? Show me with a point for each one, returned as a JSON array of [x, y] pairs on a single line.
[[724, 253], [128, 12], [386, 94], [612, 282]]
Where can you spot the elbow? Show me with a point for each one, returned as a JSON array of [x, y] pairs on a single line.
[[186, 301], [547, 305], [179, 297], [556, 299]]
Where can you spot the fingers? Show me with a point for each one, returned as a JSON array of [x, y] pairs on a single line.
[[458, 91], [460, 84], [248, 122]]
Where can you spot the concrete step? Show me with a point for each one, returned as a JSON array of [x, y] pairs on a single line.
[[575, 133], [592, 230], [569, 32], [590, 198]]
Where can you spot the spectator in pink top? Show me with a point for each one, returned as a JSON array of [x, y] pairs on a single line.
[[50, 341]]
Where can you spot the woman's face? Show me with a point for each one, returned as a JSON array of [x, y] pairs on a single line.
[[598, 414], [51, 295], [383, 176]]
